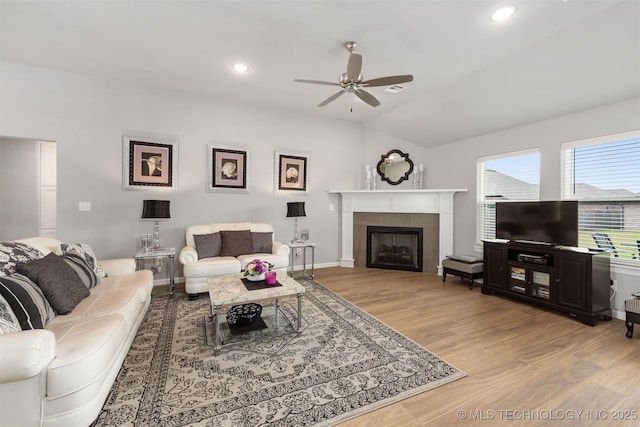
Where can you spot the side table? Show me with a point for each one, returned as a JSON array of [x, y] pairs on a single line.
[[158, 254], [303, 246]]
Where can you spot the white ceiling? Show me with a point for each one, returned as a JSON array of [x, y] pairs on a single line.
[[471, 76]]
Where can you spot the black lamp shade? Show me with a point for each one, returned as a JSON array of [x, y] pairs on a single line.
[[295, 209], [155, 209]]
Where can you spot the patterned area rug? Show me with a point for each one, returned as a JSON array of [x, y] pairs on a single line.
[[343, 364]]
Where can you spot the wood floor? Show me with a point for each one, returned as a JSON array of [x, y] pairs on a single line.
[[525, 365]]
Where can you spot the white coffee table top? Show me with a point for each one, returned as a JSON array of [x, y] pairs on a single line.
[[227, 290]]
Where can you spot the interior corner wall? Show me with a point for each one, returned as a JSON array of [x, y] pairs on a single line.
[[377, 144], [86, 117], [454, 166]]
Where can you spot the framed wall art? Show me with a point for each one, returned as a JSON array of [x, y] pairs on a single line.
[[292, 172], [149, 163], [226, 170]]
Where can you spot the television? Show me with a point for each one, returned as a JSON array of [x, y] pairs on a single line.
[[550, 222]]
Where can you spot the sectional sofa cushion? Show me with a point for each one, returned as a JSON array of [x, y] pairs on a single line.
[[261, 242], [59, 282], [27, 301], [12, 253], [79, 264], [235, 242], [208, 245], [85, 251]]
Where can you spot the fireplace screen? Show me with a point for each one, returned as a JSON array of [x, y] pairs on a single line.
[[395, 248]]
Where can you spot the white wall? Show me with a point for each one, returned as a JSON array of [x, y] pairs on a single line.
[[18, 188], [454, 166], [87, 116]]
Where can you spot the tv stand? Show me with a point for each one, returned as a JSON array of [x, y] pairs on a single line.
[[574, 282]]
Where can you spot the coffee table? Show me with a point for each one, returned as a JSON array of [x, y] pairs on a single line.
[[228, 291]]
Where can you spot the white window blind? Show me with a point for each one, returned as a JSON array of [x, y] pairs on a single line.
[[604, 175], [511, 176]]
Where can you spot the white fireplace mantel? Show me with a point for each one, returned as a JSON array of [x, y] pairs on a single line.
[[397, 201]]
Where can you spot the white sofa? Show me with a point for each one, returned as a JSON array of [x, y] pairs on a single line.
[[196, 270], [61, 375]]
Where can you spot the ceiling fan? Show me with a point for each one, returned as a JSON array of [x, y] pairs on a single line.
[[352, 82]]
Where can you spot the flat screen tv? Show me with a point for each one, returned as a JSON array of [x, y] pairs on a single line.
[[552, 222]]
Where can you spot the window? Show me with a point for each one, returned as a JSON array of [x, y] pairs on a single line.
[[511, 176], [604, 175]]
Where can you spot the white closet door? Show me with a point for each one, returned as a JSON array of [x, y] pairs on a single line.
[[48, 178]]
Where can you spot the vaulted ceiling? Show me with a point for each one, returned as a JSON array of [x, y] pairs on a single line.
[[472, 76]]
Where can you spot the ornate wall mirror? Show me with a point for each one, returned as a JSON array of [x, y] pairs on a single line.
[[395, 167]]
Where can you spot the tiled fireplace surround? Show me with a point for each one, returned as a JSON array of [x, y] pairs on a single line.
[[428, 223], [430, 209]]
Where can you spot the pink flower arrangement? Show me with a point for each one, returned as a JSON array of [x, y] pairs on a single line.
[[257, 267]]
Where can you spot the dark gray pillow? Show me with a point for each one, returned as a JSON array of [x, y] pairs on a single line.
[[59, 283], [208, 245], [235, 243], [262, 242]]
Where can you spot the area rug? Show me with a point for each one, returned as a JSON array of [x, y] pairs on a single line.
[[343, 364]]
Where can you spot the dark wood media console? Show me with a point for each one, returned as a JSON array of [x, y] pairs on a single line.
[[572, 280]]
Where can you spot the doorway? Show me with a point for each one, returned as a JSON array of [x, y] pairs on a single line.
[[28, 189]]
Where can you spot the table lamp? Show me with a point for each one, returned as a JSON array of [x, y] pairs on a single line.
[[295, 210], [156, 210]]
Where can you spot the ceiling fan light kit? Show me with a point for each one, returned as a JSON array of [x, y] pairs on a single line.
[[352, 82]]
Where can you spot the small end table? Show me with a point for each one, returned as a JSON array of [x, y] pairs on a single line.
[[304, 246], [158, 254]]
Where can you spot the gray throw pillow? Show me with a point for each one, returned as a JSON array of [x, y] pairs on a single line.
[[9, 323], [59, 283], [80, 266], [262, 242], [85, 251], [236, 243], [12, 253], [27, 302], [208, 245]]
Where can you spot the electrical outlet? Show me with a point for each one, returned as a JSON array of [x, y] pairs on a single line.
[[84, 206], [298, 252], [331, 207]]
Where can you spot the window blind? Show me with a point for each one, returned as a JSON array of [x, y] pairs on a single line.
[[604, 175], [512, 176]]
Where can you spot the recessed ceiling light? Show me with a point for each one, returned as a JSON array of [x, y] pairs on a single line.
[[240, 68], [503, 13]]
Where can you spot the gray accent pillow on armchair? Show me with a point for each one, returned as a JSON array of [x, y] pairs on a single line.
[[208, 245], [236, 243]]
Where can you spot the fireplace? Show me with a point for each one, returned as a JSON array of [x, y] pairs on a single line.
[[398, 203], [394, 248]]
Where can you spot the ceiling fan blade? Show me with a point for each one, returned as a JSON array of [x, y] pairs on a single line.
[[367, 97], [388, 81], [331, 98], [316, 82], [354, 66]]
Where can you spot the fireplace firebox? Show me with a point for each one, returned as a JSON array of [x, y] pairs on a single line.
[[394, 248]]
